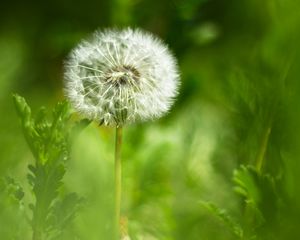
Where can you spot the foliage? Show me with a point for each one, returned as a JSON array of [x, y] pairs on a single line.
[[48, 140], [222, 215]]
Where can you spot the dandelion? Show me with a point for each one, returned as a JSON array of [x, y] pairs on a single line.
[[121, 77]]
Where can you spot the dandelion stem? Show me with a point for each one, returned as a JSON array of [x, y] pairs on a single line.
[[118, 178]]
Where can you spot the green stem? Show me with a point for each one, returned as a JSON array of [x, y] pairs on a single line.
[[118, 178], [262, 151], [36, 235]]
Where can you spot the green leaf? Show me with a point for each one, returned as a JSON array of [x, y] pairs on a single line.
[[245, 184], [13, 189], [225, 218], [259, 193], [64, 211], [48, 139]]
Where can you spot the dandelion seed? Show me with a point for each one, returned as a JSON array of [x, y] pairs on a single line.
[[121, 77]]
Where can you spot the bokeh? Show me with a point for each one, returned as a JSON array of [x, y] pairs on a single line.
[[185, 176]]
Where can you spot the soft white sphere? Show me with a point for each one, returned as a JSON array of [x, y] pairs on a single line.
[[120, 77]]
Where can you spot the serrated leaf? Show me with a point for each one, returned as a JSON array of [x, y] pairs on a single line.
[[225, 218], [48, 140], [258, 191], [245, 183], [13, 189], [64, 210]]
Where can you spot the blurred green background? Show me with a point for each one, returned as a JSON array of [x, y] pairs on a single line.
[[239, 102]]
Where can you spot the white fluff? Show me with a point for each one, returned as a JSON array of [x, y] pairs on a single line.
[[120, 77]]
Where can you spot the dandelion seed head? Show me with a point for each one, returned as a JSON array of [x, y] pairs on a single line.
[[121, 77]]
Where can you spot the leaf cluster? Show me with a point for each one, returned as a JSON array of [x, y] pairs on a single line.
[[261, 204], [48, 140]]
